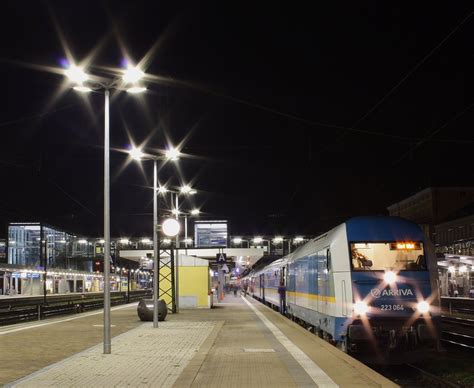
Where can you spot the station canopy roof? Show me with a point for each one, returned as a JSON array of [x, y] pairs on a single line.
[[455, 259]]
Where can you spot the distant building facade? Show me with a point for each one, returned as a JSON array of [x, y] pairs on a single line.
[[3, 250], [432, 206], [456, 236]]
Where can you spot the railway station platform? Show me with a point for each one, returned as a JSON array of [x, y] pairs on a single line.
[[238, 343]]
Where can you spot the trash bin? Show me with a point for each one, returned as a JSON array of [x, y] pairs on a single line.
[[145, 310]]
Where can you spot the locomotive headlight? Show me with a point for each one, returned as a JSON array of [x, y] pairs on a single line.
[[423, 307], [361, 308], [390, 277]]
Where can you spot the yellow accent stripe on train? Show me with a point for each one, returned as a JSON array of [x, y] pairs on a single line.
[[321, 298]]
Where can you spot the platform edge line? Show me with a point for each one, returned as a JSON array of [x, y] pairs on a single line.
[[320, 377]]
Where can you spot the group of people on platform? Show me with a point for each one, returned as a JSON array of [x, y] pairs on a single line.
[[231, 288], [235, 288]]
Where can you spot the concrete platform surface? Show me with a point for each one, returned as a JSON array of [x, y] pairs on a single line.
[[238, 343]]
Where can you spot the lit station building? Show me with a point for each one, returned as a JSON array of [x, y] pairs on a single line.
[[38, 259], [446, 215]]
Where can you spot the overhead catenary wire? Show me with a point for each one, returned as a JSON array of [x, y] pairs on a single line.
[[403, 79], [414, 69], [36, 116], [433, 133]]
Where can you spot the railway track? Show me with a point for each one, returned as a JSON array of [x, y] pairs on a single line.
[[468, 322], [408, 375], [431, 379], [461, 340]]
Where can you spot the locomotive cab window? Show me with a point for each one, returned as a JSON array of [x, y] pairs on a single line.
[[399, 256]]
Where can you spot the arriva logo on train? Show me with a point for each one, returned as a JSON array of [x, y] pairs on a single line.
[[377, 292]]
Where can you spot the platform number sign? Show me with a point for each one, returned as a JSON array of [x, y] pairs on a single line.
[[221, 258]]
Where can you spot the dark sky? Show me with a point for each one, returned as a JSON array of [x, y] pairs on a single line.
[[295, 117]]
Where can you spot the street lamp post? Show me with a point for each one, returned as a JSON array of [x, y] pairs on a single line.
[[138, 155], [83, 83], [171, 228], [156, 247], [194, 212], [187, 190], [107, 334], [176, 267]]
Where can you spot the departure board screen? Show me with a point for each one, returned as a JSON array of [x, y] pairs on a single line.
[[210, 234]]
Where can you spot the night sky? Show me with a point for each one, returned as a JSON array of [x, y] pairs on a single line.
[[292, 117]]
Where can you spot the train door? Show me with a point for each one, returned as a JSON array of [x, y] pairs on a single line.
[[323, 282], [313, 282], [291, 285], [262, 286], [283, 276]]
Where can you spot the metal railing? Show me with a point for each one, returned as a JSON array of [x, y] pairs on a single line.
[[15, 310]]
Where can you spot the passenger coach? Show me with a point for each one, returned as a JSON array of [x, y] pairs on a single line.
[[364, 284]]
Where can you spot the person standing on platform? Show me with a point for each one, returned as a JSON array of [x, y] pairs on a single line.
[[282, 293]]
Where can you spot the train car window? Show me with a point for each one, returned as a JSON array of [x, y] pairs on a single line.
[[328, 262], [399, 256]]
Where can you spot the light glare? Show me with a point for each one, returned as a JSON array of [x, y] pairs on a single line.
[[76, 74], [389, 277], [136, 153], [361, 308], [132, 74], [423, 307], [136, 89], [82, 89], [172, 154], [195, 212]]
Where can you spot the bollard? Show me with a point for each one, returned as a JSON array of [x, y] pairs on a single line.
[[145, 310]]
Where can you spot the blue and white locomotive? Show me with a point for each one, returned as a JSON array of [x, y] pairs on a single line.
[[365, 284]]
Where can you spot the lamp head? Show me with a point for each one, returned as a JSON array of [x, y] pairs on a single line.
[[172, 154], [132, 74], [76, 74], [171, 227], [136, 153]]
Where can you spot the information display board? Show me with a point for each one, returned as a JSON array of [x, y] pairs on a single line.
[[210, 234]]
